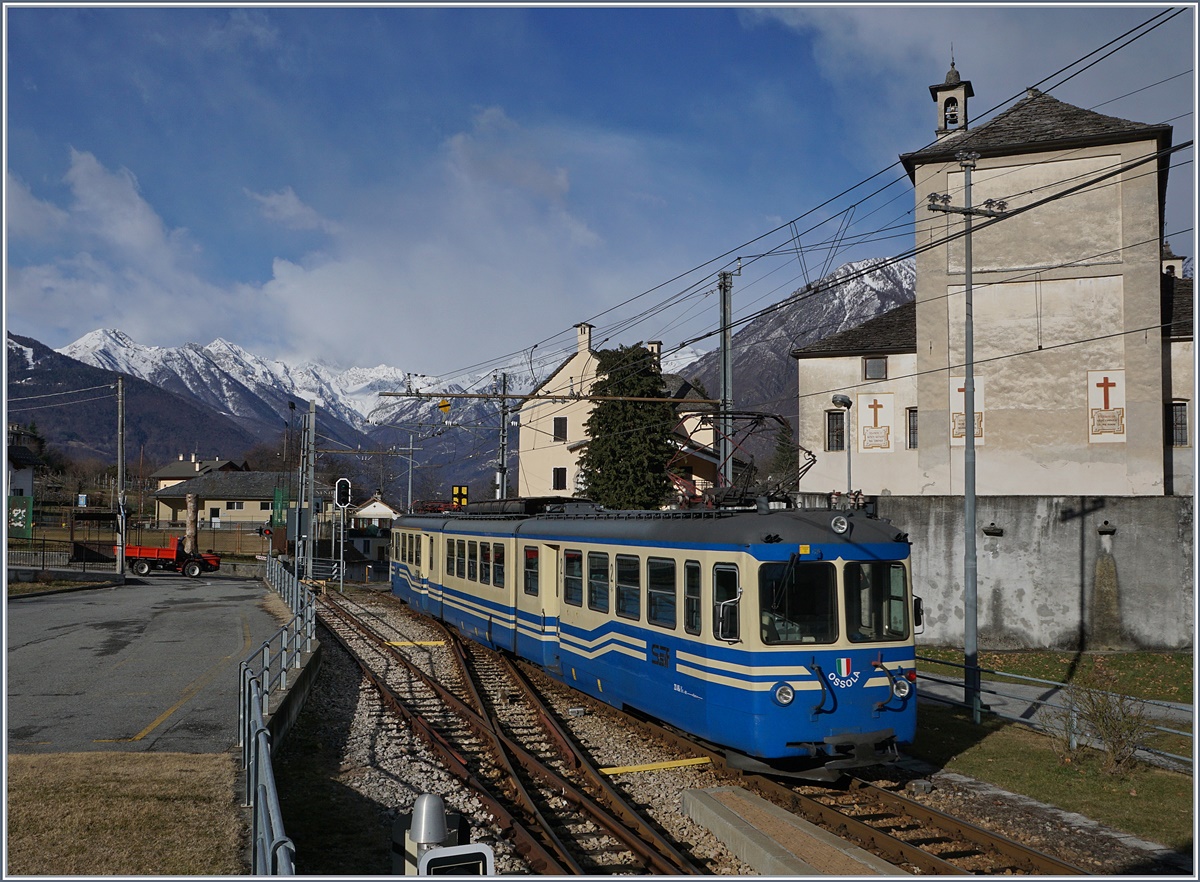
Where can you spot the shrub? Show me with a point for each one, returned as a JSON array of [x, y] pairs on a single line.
[[1119, 722]]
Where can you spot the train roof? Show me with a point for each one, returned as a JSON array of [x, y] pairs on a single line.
[[709, 527]]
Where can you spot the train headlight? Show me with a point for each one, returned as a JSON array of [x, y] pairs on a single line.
[[839, 524], [784, 694], [901, 688]]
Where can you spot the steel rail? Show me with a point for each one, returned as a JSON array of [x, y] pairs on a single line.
[[1026, 858], [617, 803], [527, 843], [521, 793], [893, 849], [486, 730], [617, 816]]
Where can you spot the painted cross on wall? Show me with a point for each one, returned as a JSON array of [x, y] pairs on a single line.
[[958, 412], [1106, 406], [876, 417]]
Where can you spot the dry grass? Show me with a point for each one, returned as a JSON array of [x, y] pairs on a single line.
[[124, 814]]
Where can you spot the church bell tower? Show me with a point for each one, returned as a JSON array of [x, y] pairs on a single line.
[[951, 99]]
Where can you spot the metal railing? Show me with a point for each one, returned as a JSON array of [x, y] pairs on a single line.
[[60, 554], [1064, 713], [263, 674]]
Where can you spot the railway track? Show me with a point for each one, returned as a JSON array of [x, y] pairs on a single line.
[[490, 730], [900, 830], [566, 817]]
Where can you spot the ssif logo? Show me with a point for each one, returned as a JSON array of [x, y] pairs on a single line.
[[843, 675]]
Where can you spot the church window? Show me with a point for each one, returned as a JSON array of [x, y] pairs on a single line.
[[875, 368], [911, 415], [835, 430], [1179, 424]]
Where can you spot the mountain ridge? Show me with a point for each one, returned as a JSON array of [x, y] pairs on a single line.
[[249, 396]]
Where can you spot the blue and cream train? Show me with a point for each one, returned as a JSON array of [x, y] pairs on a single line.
[[781, 635]]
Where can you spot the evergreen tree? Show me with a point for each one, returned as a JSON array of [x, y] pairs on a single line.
[[624, 465]]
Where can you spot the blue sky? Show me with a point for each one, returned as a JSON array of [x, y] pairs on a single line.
[[435, 188]]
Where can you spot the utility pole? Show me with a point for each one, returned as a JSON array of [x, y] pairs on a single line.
[[502, 465], [724, 429], [120, 475], [311, 479], [991, 208]]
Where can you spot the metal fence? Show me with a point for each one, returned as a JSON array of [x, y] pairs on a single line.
[[1047, 706], [59, 554], [263, 675]]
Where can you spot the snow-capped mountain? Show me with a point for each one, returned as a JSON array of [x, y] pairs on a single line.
[[763, 369], [254, 393]]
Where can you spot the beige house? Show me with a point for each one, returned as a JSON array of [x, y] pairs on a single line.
[[186, 469], [553, 432], [1077, 382], [230, 499]]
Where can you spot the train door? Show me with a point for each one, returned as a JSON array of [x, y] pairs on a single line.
[[427, 557], [537, 604]]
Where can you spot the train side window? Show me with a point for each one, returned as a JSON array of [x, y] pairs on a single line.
[[726, 595], [498, 565], [573, 578], [485, 563], [531, 570], [598, 581], [876, 601], [660, 592], [691, 597], [449, 557], [432, 552], [472, 561], [629, 586], [460, 559]]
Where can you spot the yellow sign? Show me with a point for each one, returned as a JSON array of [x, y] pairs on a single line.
[[444, 406]]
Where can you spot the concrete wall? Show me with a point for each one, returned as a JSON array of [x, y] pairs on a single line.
[[1068, 571]]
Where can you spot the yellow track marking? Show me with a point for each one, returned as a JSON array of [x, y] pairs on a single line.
[[650, 767]]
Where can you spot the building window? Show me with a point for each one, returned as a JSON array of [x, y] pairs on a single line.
[[1179, 424], [911, 415], [835, 430], [875, 367], [560, 428], [265, 506], [234, 505], [559, 480]]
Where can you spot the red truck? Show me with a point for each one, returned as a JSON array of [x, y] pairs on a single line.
[[144, 558]]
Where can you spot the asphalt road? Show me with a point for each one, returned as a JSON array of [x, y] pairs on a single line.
[[148, 666]]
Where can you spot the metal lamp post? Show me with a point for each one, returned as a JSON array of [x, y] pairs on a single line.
[[844, 401]]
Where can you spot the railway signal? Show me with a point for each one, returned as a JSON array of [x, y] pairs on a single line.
[[342, 493]]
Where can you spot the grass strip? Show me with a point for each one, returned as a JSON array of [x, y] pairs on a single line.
[[1150, 803], [126, 814], [1157, 676]]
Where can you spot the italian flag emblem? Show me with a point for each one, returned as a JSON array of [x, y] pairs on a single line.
[[843, 667]]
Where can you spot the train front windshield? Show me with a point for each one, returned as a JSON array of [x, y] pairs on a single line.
[[798, 602]]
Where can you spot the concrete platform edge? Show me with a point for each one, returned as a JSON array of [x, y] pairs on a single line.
[[758, 849]]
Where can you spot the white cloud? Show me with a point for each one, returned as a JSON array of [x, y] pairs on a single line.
[[28, 217], [286, 208]]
